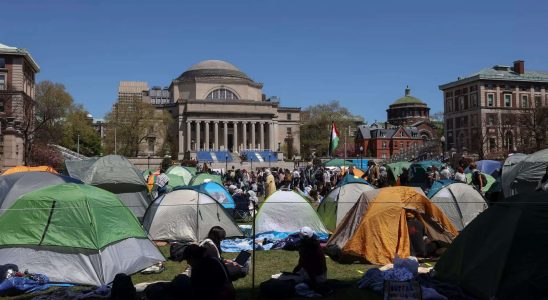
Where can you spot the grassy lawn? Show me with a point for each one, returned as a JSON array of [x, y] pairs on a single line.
[[272, 262]]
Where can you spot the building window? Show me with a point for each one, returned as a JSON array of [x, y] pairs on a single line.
[[492, 143], [401, 145], [507, 100], [474, 99], [383, 156], [2, 81], [461, 103], [2, 62], [151, 142], [490, 119], [538, 101], [289, 130], [1, 105], [384, 145], [490, 99], [222, 94], [289, 117], [524, 101]]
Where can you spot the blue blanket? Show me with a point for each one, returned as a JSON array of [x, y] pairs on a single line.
[[263, 241], [20, 285]]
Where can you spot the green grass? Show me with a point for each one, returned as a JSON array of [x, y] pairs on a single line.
[[272, 262]]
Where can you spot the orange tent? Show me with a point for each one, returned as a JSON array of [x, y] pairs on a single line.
[[357, 172], [375, 229], [18, 169]]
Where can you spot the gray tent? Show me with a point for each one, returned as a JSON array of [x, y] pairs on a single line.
[[525, 175], [187, 215], [14, 185], [117, 175], [460, 202]]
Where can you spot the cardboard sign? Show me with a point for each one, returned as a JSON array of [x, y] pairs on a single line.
[[402, 290]]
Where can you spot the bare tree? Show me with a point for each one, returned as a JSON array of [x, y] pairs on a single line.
[[533, 124]]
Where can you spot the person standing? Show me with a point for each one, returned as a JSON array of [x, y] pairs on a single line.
[[477, 180], [445, 173], [459, 176], [270, 184], [161, 181], [543, 183]]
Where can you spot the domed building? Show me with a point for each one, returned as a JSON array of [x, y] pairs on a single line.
[[407, 110], [220, 110]]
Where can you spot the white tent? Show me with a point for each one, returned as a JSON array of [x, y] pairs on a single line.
[[287, 211], [460, 202], [186, 215]]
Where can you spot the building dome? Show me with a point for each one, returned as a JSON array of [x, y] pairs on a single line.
[[214, 68], [408, 99]]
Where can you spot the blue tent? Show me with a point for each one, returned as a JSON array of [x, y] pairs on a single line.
[[351, 179], [438, 185], [486, 166], [360, 163], [215, 191]]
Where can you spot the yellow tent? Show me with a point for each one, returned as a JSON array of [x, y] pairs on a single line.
[[357, 172], [375, 229], [18, 169]]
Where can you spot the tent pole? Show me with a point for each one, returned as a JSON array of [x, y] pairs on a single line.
[[198, 218], [253, 259]]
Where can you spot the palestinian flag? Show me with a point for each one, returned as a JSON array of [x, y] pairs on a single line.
[[334, 140]]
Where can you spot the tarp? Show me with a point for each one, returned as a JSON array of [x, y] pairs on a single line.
[[501, 254], [115, 174], [486, 166], [18, 169], [337, 162], [524, 176], [486, 186], [206, 177], [215, 191], [288, 212], [15, 185], [340, 200], [74, 233], [395, 169], [460, 202], [375, 229], [182, 172], [187, 215]]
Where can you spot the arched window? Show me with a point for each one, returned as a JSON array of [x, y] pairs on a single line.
[[222, 94]]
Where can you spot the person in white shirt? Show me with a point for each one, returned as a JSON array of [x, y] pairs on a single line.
[[445, 173], [161, 181], [459, 176]]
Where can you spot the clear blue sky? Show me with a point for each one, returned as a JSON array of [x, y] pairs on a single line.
[[305, 52]]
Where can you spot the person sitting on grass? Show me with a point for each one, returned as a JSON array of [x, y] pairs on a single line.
[[212, 246], [311, 268]]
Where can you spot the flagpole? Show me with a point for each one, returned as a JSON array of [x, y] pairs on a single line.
[[330, 141]]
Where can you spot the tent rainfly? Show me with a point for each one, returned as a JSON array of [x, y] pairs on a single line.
[[75, 233], [182, 172], [486, 166], [375, 229], [340, 200], [18, 169], [186, 215], [524, 176], [215, 191], [115, 174], [500, 254], [460, 202], [205, 177], [287, 212]]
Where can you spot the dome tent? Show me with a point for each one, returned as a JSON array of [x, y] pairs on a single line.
[[525, 175], [287, 212], [375, 229], [79, 234], [215, 191], [182, 172], [340, 200], [486, 186], [501, 253], [115, 174], [19, 169], [14, 185], [205, 177], [186, 215], [460, 202], [486, 166]]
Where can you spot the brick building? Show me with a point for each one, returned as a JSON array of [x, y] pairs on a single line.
[[17, 84], [482, 111]]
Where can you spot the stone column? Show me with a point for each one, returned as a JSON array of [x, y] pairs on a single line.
[[181, 137], [275, 137], [198, 135], [270, 135], [225, 132], [206, 144], [235, 136], [244, 130], [188, 136], [216, 133], [253, 135], [261, 128]]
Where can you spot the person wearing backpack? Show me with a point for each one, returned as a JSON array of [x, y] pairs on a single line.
[[478, 179]]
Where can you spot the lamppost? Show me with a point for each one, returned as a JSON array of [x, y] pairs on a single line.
[[148, 163], [361, 158], [251, 160], [442, 140], [78, 147], [269, 159]]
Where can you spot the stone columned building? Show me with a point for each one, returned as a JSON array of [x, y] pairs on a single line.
[[221, 111]]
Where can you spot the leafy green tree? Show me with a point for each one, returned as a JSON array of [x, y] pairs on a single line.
[[316, 123], [79, 134]]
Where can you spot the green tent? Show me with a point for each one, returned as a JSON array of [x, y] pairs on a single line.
[[417, 171], [182, 172], [395, 169], [74, 233], [337, 162], [192, 170], [175, 181], [501, 253], [486, 187], [205, 177]]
